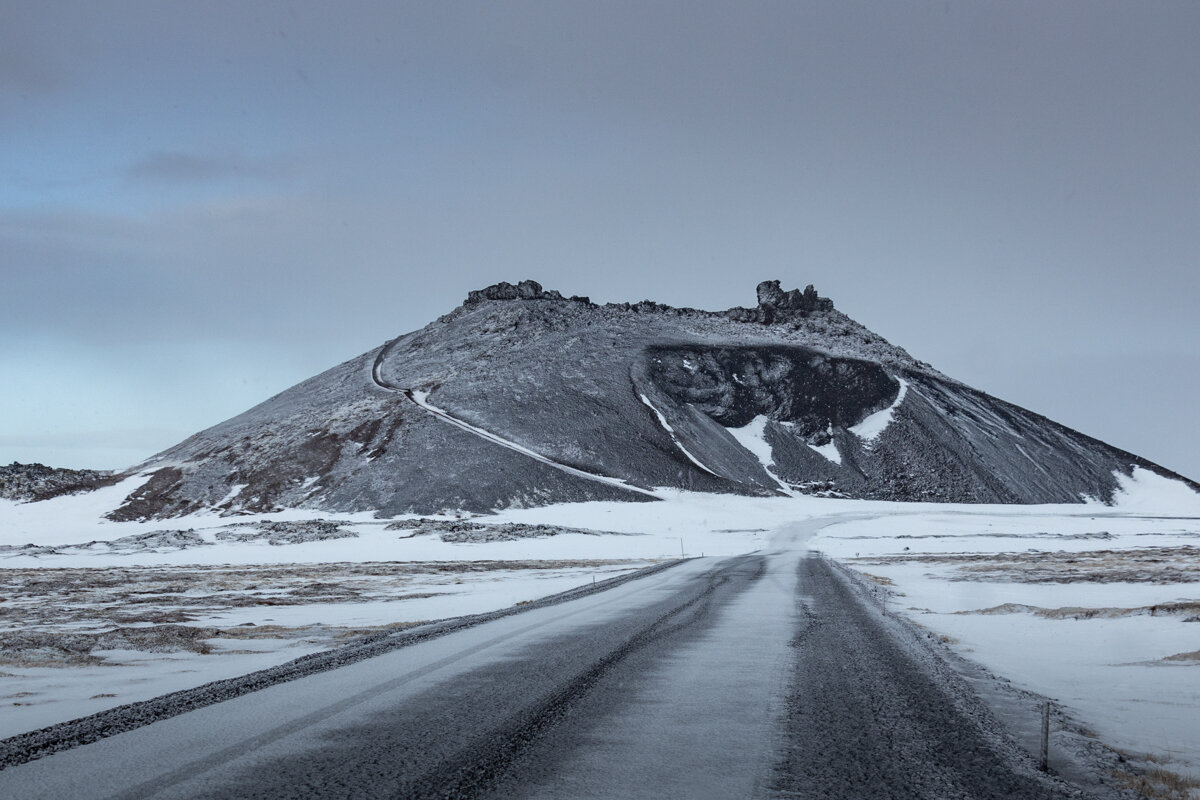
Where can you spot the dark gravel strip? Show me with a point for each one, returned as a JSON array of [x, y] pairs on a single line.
[[870, 714], [32, 745]]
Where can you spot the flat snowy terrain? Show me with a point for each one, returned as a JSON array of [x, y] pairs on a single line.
[[1096, 607]]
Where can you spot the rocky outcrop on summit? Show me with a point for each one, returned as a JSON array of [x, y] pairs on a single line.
[[525, 290], [771, 296], [523, 397]]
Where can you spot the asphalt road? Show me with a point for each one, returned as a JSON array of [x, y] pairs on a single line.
[[756, 676]]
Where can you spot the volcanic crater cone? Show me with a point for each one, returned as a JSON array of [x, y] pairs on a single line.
[[522, 397]]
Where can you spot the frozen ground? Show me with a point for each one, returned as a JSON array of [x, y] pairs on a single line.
[[1097, 607], [94, 615]]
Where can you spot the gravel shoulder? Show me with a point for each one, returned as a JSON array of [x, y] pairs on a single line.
[[872, 712]]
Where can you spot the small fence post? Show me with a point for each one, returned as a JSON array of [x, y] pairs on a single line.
[[1046, 737]]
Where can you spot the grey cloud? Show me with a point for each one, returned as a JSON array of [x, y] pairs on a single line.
[[23, 70], [181, 167], [323, 179], [116, 438], [25, 76]]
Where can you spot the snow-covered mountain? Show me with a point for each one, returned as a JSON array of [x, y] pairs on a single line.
[[522, 397]]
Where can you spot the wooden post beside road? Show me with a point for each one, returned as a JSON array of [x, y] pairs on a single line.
[[1046, 737]]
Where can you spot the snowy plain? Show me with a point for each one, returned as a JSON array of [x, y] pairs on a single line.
[[1087, 604], [1094, 607]]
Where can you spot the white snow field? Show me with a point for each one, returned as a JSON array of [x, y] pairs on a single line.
[[1094, 606]]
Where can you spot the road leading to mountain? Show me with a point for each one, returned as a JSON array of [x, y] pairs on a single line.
[[754, 676]]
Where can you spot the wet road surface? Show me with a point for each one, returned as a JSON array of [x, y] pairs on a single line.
[[755, 676]]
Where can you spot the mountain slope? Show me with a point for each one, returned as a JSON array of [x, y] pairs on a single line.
[[522, 397]]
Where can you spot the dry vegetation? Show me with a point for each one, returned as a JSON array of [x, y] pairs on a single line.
[[65, 617], [878, 579], [1160, 784], [1135, 565], [466, 531], [1188, 609]]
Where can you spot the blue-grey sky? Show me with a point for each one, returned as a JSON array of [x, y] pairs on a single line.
[[204, 203]]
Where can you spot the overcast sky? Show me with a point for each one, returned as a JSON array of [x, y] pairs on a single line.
[[204, 203]]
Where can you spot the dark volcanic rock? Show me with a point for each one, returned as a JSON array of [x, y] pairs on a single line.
[[157, 497], [281, 533], [643, 393], [771, 296], [811, 390], [525, 290], [39, 482]]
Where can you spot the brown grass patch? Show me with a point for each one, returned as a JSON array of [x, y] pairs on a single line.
[[1134, 565], [1159, 783], [878, 579], [1182, 608], [63, 616]]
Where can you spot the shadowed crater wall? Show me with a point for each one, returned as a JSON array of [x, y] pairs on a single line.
[[811, 390]]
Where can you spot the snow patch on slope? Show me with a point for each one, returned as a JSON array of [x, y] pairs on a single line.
[[752, 436], [667, 427], [829, 450], [233, 492], [870, 428]]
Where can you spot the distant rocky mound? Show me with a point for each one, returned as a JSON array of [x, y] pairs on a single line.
[[523, 397], [525, 290], [39, 482]]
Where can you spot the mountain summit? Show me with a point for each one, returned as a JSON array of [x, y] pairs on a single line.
[[522, 396]]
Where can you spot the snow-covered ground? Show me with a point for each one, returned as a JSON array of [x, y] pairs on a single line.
[[1097, 607], [97, 613]]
